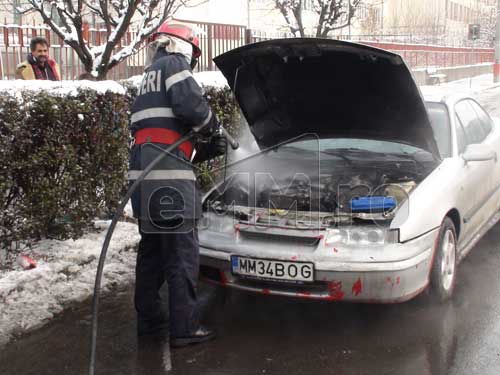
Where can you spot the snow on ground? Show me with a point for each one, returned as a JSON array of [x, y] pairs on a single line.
[[480, 87], [471, 86], [65, 274], [490, 100], [60, 87]]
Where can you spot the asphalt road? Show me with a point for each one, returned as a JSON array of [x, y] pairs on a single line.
[[266, 335]]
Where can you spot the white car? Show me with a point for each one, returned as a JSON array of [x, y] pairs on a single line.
[[363, 190]]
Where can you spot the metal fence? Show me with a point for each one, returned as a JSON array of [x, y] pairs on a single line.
[[14, 47], [215, 39], [423, 56], [415, 55]]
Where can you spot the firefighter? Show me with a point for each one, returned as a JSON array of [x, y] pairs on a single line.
[[167, 203]]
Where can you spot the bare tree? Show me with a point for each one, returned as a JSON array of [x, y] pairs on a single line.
[[141, 17], [331, 15]]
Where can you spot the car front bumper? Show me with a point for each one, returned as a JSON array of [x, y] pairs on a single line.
[[354, 280]]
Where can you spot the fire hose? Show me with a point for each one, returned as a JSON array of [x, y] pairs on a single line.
[[97, 287]]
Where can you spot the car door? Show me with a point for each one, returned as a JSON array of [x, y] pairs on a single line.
[[493, 141], [476, 179]]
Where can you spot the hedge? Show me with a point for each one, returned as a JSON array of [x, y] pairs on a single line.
[[224, 106], [65, 158]]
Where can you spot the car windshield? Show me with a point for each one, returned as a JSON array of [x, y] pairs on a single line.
[[440, 122], [353, 144]]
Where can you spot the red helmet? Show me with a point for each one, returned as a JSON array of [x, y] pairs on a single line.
[[181, 31]]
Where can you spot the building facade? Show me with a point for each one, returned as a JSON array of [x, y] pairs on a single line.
[[439, 21]]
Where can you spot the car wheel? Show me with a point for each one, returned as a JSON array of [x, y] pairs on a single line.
[[444, 268]]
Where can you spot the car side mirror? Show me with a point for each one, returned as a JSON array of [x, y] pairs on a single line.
[[478, 152]]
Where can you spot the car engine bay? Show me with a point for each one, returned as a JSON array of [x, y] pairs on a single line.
[[337, 192]]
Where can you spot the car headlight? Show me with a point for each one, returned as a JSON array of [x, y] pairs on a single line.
[[216, 223], [361, 236]]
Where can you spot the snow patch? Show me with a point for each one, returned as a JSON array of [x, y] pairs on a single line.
[[128, 212], [65, 274], [61, 88], [212, 78], [134, 80], [468, 86]]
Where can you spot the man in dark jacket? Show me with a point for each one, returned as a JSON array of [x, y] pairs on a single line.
[[167, 203], [38, 64]]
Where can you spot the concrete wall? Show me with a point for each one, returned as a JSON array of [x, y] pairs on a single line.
[[453, 73]]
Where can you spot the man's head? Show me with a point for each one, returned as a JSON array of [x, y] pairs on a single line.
[[176, 38], [39, 49]]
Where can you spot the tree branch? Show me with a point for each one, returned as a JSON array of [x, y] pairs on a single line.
[[94, 10], [146, 26], [115, 36], [105, 15], [117, 17], [286, 7], [297, 13], [330, 12]]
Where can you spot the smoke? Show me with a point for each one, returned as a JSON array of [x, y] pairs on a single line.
[[248, 145]]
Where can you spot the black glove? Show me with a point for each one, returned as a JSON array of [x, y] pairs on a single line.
[[215, 146], [218, 145], [210, 128]]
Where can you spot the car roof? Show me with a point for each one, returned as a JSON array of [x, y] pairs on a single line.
[[440, 96]]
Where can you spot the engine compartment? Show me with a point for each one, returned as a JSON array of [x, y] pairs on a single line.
[[293, 190]]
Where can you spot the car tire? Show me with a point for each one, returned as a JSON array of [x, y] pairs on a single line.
[[444, 267]]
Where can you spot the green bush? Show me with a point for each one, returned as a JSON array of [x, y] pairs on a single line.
[[224, 106], [65, 158]]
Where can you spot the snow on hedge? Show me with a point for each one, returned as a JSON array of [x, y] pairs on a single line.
[[212, 78], [61, 88], [65, 274], [215, 79]]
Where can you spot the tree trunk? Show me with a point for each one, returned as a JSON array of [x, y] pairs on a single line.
[[297, 12], [102, 73]]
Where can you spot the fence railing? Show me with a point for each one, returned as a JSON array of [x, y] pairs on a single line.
[[215, 39], [14, 47], [416, 55], [421, 56]]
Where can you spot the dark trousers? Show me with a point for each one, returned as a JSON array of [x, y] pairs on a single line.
[[171, 258]]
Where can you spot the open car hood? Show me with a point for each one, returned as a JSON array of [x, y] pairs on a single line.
[[288, 87]]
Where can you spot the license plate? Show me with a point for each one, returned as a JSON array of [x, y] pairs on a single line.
[[272, 269]]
